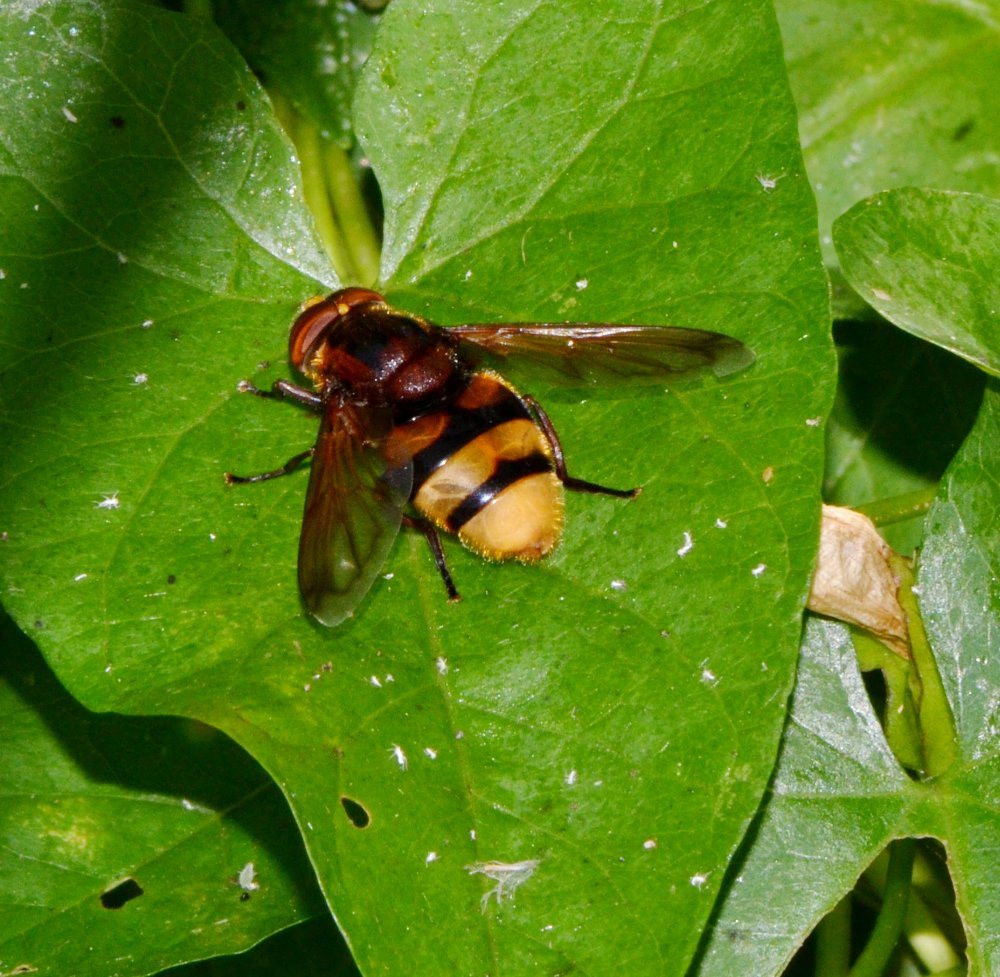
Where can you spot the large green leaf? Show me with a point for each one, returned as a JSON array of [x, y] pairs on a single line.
[[838, 791], [613, 714], [960, 603], [928, 260], [89, 802]]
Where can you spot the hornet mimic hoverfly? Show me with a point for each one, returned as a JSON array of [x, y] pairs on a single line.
[[415, 431]]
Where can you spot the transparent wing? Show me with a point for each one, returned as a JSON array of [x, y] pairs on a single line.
[[588, 352], [354, 507]]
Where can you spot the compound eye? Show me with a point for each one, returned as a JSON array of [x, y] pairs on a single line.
[[308, 329], [317, 319]]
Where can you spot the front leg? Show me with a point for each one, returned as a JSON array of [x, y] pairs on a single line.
[[284, 390], [280, 390]]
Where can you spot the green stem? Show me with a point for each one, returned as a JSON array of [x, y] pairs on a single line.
[[899, 507], [309, 146], [833, 940], [351, 214], [901, 716], [889, 925], [937, 725], [333, 197]]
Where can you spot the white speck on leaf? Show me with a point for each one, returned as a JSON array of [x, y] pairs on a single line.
[[108, 502], [509, 876], [192, 806], [687, 546], [397, 752], [618, 585], [768, 182], [247, 878], [721, 523], [68, 113], [758, 570]]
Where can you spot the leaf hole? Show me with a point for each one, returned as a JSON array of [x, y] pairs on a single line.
[[121, 893], [357, 813], [963, 130]]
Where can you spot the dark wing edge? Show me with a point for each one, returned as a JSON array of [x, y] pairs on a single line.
[[587, 352], [353, 511]]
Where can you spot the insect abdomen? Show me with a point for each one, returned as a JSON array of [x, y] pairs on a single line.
[[483, 470]]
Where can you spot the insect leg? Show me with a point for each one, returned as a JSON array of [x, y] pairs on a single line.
[[287, 468], [283, 390], [434, 542], [573, 484]]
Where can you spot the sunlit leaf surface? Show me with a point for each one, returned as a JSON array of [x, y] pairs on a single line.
[[611, 715]]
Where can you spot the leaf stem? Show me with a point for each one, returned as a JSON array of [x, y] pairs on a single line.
[[307, 147], [351, 213], [884, 512], [901, 715], [937, 725], [334, 198], [833, 940], [889, 925]]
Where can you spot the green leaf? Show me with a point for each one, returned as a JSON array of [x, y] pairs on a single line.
[[612, 714], [959, 594], [893, 93], [91, 800], [929, 262], [839, 793]]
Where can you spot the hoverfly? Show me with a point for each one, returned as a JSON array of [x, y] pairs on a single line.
[[415, 431]]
